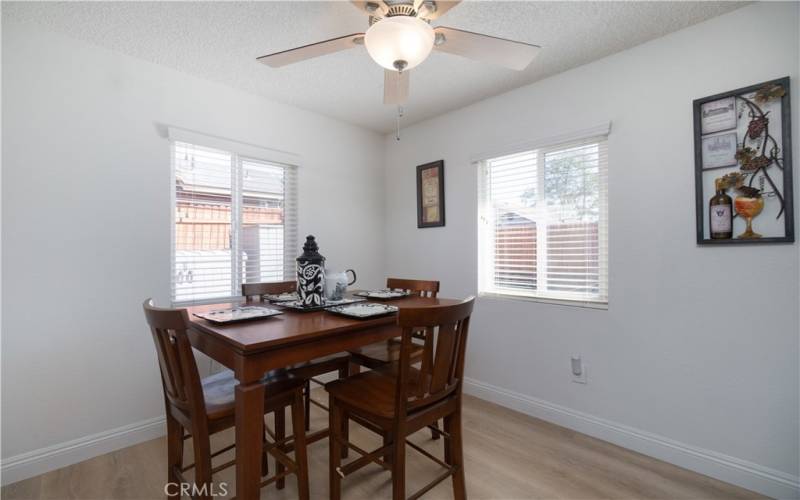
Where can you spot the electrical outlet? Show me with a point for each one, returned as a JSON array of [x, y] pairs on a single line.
[[578, 368]]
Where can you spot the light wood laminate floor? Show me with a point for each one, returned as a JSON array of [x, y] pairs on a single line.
[[508, 455]]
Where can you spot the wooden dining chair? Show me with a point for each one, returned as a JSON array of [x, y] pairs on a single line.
[[203, 407], [380, 354], [402, 399], [309, 370]]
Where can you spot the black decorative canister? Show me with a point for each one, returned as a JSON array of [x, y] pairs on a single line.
[[311, 274]]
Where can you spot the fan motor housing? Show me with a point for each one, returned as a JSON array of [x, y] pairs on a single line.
[[402, 9]]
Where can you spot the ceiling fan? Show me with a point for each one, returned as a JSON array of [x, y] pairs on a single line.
[[400, 37]]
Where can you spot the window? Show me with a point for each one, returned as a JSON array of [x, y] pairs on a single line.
[[235, 222], [543, 223]]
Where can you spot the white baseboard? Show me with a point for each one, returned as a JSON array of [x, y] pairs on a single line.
[[33, 463], [764, 480]]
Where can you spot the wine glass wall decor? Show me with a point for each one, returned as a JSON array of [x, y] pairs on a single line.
[[743, 165]]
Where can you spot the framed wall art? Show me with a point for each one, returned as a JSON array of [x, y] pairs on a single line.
[[743, 165], [430, 194]]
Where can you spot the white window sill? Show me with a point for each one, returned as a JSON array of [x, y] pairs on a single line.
[[545, 300]]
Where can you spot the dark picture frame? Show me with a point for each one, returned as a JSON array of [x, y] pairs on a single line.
[[781, 195], [430, 194]]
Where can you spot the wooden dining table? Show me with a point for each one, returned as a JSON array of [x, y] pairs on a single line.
[[252, 348]]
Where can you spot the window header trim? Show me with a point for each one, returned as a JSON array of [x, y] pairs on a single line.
[[601, 130], [241, 148]]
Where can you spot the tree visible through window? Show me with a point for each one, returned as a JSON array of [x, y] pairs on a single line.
[[543, 223]]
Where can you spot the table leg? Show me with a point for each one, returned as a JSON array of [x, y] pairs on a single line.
[[249, 426]]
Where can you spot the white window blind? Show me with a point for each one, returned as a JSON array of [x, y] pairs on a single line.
[[235, 221], [543, 223]]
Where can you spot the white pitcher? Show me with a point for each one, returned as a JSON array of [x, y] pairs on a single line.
[[336, 284]]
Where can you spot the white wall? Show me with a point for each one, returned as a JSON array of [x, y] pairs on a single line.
[[699, 346], [686, 356], [86, 226]]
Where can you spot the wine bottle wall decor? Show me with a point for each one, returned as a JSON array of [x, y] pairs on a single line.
[[743, 165]]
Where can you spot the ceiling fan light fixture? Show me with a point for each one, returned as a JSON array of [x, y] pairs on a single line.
[[399, 39]]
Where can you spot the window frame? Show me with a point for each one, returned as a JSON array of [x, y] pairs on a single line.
[[239, 153], [486, 236]]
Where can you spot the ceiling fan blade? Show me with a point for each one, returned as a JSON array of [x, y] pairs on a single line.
[[485, 48], [298, 54], [375, 8], [434, 9], [395, 87]]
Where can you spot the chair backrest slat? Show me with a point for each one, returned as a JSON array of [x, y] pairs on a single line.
[[458, 368], [250, 290], [442, 368], [423, 288], [172, 374], [179, 375], [427, 357]]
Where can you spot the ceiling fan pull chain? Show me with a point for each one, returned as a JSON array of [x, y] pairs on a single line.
[[399, 106], [399, 115]]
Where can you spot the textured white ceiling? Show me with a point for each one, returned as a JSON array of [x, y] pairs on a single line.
[[220, 41]]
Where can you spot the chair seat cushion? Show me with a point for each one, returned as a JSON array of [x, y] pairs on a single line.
[[383, 353], [372, 392], [219, 390]]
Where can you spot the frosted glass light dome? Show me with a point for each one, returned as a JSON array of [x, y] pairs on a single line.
[[399, 38]]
